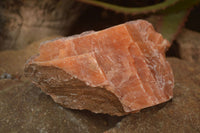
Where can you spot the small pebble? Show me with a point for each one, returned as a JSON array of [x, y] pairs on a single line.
[[6, 76]]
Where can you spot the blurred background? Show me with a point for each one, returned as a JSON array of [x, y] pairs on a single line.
[[25, 21]]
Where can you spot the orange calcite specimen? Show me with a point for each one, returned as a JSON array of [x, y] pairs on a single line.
[[127, 60]]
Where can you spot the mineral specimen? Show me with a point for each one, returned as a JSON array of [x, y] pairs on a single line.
[[116, 71]]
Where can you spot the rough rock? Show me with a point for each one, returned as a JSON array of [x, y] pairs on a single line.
[[25, 108], [12, 61], [189, 45], [25, 21], [181, 114], [122, 68]]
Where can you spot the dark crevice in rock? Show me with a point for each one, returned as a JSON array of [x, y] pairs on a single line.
[[110, 121], [96, 18], [174, 50]]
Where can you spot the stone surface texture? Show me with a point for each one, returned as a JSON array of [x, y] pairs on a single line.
[[25, 21], [25, 108], [181, 114], [126, 60], [189, 45]]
